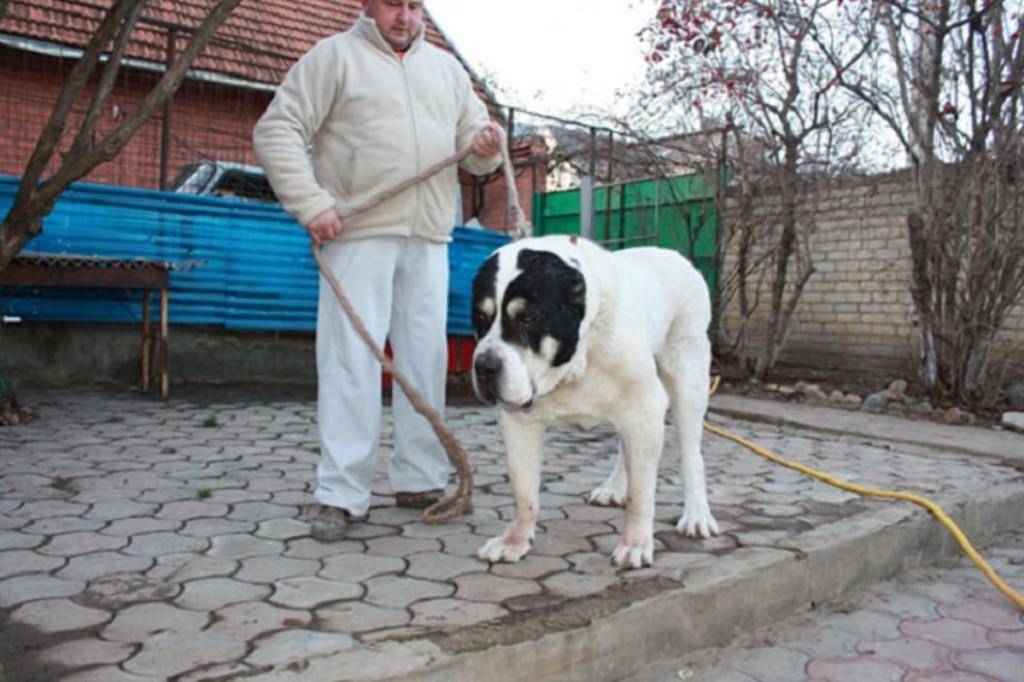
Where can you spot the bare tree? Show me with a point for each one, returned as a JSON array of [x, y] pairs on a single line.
[[755, 64], [946, 78], [37, 195]]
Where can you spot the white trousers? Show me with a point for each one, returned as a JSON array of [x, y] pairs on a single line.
[[399, 286]]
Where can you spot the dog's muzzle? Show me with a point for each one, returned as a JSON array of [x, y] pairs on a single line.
[[486, 373]]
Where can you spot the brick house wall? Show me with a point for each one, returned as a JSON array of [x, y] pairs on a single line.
[[856, 311], [208, 121]]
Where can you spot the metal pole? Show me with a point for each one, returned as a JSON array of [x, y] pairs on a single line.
[[165, 131], [608, 191], [511, 134], [587, 191]]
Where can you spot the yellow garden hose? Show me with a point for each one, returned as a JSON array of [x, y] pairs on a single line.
[[936, 511]]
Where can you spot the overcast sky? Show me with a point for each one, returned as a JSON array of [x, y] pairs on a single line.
[[562, 57]]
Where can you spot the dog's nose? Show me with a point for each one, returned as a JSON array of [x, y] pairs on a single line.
[[487, 367]]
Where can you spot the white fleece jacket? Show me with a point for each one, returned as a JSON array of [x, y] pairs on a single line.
[[372, 120]]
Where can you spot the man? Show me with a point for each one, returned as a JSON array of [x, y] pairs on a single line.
[[359, 113]]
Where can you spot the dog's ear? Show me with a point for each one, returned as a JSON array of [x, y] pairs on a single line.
[[577, 288]]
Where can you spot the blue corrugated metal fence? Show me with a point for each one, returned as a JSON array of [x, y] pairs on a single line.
[[257, 273]]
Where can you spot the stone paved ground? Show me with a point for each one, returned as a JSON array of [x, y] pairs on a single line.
[[141, 540], [931, 624]]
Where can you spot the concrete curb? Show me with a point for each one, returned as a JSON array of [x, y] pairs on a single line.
[[713, 607], [1002, 446]]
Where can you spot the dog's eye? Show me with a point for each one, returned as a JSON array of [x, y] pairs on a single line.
[[526, 319]]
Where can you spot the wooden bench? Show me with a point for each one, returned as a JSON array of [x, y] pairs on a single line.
[[89, 272]]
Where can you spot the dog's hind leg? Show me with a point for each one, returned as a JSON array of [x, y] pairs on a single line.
[[683, 366], [612, 493]]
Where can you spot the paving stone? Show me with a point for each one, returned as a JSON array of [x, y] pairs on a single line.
[[113, 510], [86, 651], [437, 566], [236, 495], [997, 616], [308, 592], [855, 670], [355, 568], [395, 546], [400, 592], [74, 544], [308, 548], [261, 511], [251, 619], [910, 654], [58, 525], [269, 569], [106, 673], [422, 530], [26, 588], [491, 588], [208, 528], [463, 544], [593, 563], [157, 544], [238, 546], [113, 593], [184, 511], [136, 623], [297, 645], [99, 564], [139, 526], [41, 509], [573, 585], [557, 545], [58, 615], [357, 616], [283, 529], [210, 594], [955, 634], [10, 539], [453, 613], [776, 663], [18, 561], [166, 654]]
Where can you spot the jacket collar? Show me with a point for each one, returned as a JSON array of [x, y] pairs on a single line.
[[366, 28]]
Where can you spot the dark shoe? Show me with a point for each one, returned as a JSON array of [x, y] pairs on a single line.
[[331, 523], [418, 500]]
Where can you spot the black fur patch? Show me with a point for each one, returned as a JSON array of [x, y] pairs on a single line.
[[555, 297], [484, 287]]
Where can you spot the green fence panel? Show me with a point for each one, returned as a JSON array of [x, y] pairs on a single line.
[[674, 213]]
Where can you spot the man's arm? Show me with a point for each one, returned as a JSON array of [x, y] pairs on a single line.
[[282, 136], [474, 128]]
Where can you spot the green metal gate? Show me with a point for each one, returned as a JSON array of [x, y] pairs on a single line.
[[675, 213]]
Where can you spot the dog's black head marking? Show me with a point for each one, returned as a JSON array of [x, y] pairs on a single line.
[[546, 300]]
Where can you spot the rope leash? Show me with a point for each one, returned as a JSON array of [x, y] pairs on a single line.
[[458, 502], [936, 511]]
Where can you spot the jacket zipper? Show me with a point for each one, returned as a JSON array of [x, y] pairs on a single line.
[[415, 144]]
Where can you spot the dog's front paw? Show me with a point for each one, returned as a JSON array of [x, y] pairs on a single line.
[[505, 548], [607, 496], [697, 522], [631, 555]]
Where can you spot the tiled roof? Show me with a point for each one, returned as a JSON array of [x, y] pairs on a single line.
[[259, 41]]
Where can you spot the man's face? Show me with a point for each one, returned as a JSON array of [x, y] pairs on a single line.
[[399, 21]]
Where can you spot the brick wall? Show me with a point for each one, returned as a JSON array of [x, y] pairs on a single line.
[[207, 122], [856, 311]]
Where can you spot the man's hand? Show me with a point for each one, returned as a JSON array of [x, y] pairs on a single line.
[[487, 142], [325, 226]]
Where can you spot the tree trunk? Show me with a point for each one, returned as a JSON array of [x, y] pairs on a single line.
[[35, 198]]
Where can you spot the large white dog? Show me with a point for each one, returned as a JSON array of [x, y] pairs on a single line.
[[568, 332]]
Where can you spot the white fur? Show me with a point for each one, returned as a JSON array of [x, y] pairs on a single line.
[[643, 347]]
